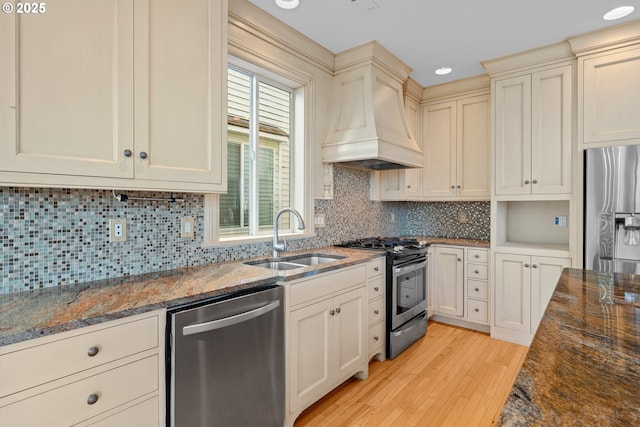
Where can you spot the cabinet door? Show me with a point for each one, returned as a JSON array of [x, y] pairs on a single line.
[[513, 292], [310, 352], [413, 176], [513, 135], [551, 134], [439, 150], [473, 147], [350, 330], [611, 101], [448, 281], [180, 95], [545, 272], [66, 89]]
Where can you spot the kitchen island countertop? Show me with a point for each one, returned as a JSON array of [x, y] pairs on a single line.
[[583, 366]]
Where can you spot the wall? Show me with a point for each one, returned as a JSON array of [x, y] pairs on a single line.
[[54, 237]]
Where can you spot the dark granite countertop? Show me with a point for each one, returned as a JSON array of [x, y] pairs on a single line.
[[583, 366], [28, 315]]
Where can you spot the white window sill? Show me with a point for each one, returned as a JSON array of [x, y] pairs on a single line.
[[234, 241]]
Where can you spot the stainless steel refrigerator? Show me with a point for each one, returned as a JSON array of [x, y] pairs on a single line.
[[612, 209]]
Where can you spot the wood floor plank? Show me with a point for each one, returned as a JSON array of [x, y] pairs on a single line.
[[453, 376]]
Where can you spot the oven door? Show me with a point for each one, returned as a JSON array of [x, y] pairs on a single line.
[[409, 291]]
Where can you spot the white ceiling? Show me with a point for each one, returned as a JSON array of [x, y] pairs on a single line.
[[428, 34]]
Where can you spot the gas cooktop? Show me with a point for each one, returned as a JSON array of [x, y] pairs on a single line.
[[398, 246]]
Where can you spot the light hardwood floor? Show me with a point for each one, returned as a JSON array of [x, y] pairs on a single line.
[[452, 377]]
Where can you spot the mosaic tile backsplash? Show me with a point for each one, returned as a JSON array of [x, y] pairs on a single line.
[[53, 237]]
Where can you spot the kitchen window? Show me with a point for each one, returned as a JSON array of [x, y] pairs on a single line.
[[261, 153]]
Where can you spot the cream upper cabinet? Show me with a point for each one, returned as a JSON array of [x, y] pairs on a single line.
[[533, 132], [456, 149], [611, 97], [115, 94]]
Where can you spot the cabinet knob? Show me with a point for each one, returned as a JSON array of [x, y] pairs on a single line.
[[476, 256], [93, 351], [93, 398], [376, 268], [459, 259], [476, 271], [376, 338], [338, 310], [477, 310], [458, 186], [408, 186], [332, 312], [477, 289], [534, 265], [526, 266], [376, 312], [143, 155], [527, 181], [535, 181], [376, 289], [127, 153]]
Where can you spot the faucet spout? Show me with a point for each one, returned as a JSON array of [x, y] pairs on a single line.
[[280, 245]]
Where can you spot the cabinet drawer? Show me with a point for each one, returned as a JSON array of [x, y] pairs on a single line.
[[477, 289], [376, 288], [68, 404], [477, 255], [478, 311], [57, 359], [477, 271], [376, 311], [376, 337], [376, 267], [327, 284], [143, 414]]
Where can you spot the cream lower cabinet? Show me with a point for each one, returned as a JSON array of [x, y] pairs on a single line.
[[376, 316], [533, 132], [106, 375], [327, 335], [523, 287], [448, 281], [115, 94]]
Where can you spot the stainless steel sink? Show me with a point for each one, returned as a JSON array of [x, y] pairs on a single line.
[[295, 261]]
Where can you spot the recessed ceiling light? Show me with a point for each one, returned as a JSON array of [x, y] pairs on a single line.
[[288, 4], [618, 12], [443, 71]]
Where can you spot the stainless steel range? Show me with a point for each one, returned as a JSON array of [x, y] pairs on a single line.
[[407, 263]]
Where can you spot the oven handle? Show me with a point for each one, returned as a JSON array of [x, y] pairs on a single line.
[[409, 267]]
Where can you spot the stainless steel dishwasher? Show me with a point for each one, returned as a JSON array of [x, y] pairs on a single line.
[[226, 364]]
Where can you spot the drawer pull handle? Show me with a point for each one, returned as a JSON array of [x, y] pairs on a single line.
[[93, 351], [477, 289], [376, 289], [477, 271], [477, 310], [376, 311], [93, 398], [376, 338], [338, 310]]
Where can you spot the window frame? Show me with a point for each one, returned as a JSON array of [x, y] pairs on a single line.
[[300, 182]]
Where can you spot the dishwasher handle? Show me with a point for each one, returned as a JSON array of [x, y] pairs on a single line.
[[229, 321]]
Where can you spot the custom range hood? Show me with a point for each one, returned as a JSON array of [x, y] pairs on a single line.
[[368, 127]]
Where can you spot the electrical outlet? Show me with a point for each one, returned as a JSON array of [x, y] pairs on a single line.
[[560, 221], [392, 218], [118, 230], [186, 227], [463, 217]]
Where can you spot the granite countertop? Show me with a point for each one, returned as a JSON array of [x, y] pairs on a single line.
[[583, 366], [28, 315], [454, 242]]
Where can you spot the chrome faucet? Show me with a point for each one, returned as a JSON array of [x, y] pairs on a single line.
[[281, 245]]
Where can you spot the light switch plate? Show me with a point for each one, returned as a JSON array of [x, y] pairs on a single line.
[[186, 227]]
